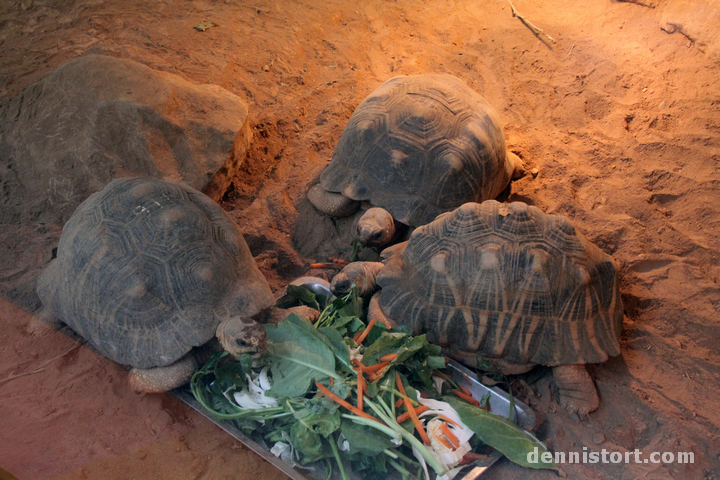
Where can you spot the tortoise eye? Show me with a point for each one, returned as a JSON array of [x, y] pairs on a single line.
[[376, 236]]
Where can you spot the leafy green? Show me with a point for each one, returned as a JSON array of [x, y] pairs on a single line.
[[296, 295], [501, 434], [301, 354], [306, 442], [388, 342], [297, 359], [364, 439]]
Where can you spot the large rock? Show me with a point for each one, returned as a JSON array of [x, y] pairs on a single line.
[[97, 118]]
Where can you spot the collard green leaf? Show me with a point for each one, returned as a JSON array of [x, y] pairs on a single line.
[[435, 363], [336, 343], [411, 347], [501, 434], [387, 343], [298, 359], [328, 336], [323, 423], [364, 439], [307, 443]]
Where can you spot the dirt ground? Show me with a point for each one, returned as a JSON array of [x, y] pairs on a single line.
[[620, 117]]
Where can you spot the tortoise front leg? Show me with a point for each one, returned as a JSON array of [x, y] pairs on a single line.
[[376, 313], [577, 390], [163, 379], [330, 203]]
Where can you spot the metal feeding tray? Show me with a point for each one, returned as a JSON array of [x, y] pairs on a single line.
[[499, 404]]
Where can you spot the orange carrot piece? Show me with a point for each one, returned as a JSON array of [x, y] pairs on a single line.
[[444, 442], [389, 357], [416, 421], [467, 398], [443, 417], [361, 336], [450, 436], [376, 367], [342, 402], [338, 266], [361, 379], [332, 381], [399, 384], [360, 391], [462, 387], [358, 363], [398, 403], [406, 416], [338, 260]]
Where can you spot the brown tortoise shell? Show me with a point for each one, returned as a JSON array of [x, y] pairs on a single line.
[[418, 146], [506, 281], [147, 269]]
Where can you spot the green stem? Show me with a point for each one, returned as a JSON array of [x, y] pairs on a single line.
[[393, 425], [395, 392], [399, 468], [333, 446]]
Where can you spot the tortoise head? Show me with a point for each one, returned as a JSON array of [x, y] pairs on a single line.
[[376, 227], [238, 335]]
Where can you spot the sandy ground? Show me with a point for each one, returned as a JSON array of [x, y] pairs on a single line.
[[621, 119]]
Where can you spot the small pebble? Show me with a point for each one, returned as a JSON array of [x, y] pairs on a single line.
[[598, 438], [661, 421], [534, 172], [662, 105], [266, 68]]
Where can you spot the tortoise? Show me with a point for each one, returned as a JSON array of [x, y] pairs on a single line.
[[145, 271], [416, 147], [511, 285]]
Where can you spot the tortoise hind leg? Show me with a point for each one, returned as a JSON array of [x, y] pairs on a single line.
[[163, 379], [577, 390]]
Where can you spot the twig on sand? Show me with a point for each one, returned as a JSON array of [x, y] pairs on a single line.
[[41, 367], [532, 27]]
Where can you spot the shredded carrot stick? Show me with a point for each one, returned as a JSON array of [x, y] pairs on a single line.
[[376, 367], [398, 403], [444, 442], [338, 266], [358, 363], [338, 260], [416, 421], [406, 416], [389, 357], [466, 397], [443, 417], [411, 411], [361, 336], [399, 384], [470, 457], [342, 402], [462, 387], [360, 391], [450, 436], [361, 379], [332, 381]]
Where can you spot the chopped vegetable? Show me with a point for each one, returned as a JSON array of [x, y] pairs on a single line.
[[298, 398]]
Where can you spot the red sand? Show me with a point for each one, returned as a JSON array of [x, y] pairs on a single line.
[[621, 119]]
